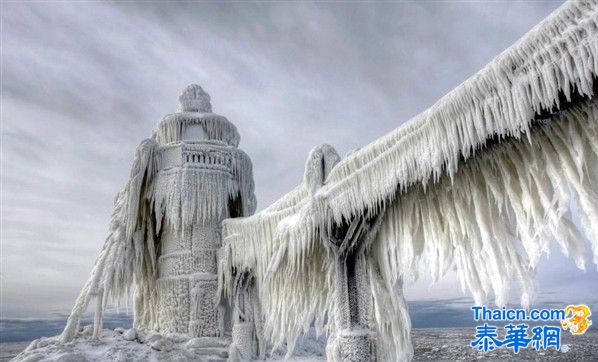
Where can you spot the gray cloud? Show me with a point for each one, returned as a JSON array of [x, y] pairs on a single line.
[[84, 82]]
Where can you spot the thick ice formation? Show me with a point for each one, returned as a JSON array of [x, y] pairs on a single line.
[[165, 229], [496, 163], [481, 183], [131, 345]]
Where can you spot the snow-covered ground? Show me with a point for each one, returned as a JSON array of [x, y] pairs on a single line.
[[429, 345], [132, 346], [125, 345]]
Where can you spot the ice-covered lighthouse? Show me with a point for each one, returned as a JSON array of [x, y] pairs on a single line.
[[166, 226], [198, 185]]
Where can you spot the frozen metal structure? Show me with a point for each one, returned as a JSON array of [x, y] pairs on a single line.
[[166, 226], [481, 183]]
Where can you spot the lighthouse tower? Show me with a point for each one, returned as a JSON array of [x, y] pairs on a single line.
[[202, 178]]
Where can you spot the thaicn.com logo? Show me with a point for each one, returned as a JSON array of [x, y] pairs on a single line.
[[538, 329]]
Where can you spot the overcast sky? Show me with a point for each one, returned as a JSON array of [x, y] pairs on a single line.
[[83, 83]]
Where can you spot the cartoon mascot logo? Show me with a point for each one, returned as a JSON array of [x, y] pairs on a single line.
[[579, 320]]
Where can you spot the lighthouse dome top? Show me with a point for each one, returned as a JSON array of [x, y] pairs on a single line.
[[196, 120], [195, 99]]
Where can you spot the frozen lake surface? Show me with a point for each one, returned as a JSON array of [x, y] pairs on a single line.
[[440, 344]]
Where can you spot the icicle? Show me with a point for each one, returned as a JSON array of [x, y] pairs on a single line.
[[120, 260], [452, 198], [173, 126]]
